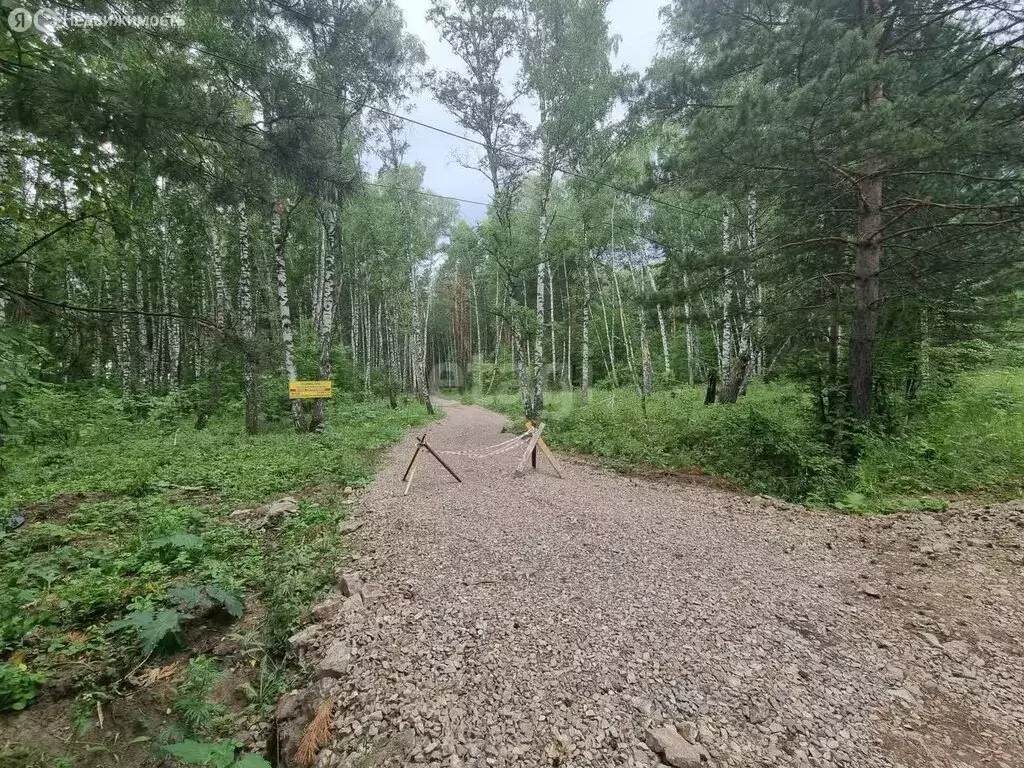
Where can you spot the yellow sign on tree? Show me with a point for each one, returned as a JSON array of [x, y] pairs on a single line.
[[308, 390]]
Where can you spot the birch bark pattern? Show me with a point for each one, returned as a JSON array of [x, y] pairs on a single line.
[[279, 238], [585, 352], [324, 309], [247, 326], [538, 349]]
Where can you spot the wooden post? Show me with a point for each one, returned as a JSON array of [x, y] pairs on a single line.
[[531, 448], [419, 444], [410, 471], [537, 441]]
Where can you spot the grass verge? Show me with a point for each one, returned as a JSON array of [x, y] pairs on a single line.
[[122, 578], [964, 439]]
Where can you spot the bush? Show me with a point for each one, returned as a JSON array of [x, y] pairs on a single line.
[[959, 434]]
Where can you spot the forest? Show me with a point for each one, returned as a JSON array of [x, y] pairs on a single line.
[[788, 255]]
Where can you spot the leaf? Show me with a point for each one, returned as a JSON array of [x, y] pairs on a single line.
[[154, 629], [190, 595], [251, 760], [166, 624], [179, 540], [231, 602], [219, 754]]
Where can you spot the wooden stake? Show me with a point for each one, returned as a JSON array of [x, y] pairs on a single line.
[[549, 454], [411, 471], [443, 462], [530, 448], [421, 443], [537, 441]]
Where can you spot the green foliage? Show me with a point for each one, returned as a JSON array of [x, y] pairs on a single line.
[[964, 439], [178, 541], [155, 629], [298, 563], [20, 361], [208, 596], [85, 572], [219, 754], [960, 435], [18, 685], [196, 712]]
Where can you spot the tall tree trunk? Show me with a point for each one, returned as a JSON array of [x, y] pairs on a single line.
[[247, 326], [869, 257], [142, 330], [567, 303], [725, 348], [608, 329], [691, 341], [625, 331], [647, 372], [865, 284], [325, 306], [418, 330], [551, 322], [279, 237], [124, 335], [661, 323], [169, 282], [538, 349], [585, 352]]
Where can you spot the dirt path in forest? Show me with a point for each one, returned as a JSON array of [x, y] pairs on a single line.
[[546, 622]]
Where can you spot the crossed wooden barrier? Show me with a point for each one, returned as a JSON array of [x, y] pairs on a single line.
[[535, 443]]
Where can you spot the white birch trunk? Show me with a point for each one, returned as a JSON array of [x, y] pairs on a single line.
[[247, 325], [661, 324], [325, 306], [283, 308], [691, 345], [124, 340], [585, 363], [551, 322], [141, 329], [609, 334], [538, 350], [725, 347]]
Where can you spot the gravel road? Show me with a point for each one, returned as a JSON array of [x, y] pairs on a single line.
[[542, 622]]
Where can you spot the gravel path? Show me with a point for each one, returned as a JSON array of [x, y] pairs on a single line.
[[544, 622]]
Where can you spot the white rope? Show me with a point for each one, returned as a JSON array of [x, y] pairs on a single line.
[[494, 450]]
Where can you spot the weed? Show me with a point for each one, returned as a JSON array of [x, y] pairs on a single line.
[[961, 435], [98, 585], [18, 685], [218, 754], [197, 714]]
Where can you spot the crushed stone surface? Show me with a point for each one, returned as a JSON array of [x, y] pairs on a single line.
[[537, 621]]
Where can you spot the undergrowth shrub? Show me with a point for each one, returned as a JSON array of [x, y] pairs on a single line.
[[126, 550], [959, 434], [763, 443]]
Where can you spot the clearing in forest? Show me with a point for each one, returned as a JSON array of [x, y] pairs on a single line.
[[538, 621]]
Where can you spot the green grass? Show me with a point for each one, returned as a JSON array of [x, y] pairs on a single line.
[[966, 439], [90, 586], [971, 440]]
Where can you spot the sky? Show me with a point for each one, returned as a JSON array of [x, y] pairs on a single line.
[[635, 21]]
